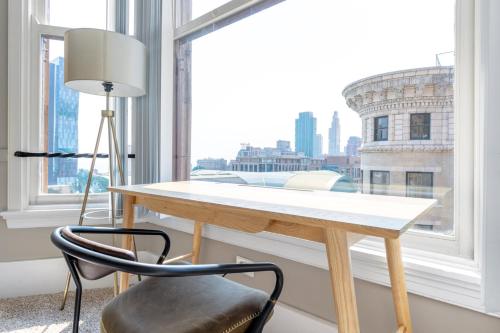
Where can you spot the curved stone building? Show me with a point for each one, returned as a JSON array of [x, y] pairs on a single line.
[[408, 129]]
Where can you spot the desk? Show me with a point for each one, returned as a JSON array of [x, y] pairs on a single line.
[[332, 218]]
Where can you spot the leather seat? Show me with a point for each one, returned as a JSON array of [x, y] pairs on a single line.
[[195, 304]]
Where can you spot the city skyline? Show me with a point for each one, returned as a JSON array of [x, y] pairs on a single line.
[[248, 90], [309, 123]]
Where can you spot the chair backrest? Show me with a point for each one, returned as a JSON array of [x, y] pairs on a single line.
[[93, 271]]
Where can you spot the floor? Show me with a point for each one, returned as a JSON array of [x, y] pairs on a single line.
[[41, 314]]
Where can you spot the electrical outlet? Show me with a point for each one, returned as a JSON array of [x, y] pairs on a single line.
[[241, 260]]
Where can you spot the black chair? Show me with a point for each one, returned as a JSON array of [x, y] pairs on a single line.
[[180, 298]]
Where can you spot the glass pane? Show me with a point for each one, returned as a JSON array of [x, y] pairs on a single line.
[[71, 120], [77, 13], [420, 126], [273, 101]]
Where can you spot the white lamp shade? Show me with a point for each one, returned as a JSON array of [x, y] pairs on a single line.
[[93, 56]]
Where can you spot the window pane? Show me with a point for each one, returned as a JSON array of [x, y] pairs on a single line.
[[338, 89], [381, 128], [420, 126], [419, 184], [77, 13], [379, 182], [71, 121]]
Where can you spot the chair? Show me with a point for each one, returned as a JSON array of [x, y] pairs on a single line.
[[181, 298]]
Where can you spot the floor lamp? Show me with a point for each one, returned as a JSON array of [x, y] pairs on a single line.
[[111, 64]]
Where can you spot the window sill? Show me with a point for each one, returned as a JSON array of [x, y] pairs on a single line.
[[50, 216], [444, 278]]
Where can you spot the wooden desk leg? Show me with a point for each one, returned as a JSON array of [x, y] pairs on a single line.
[[128, 222], [398, 284], [339, 261], [198, 229]]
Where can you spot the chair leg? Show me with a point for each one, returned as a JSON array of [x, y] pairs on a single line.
[[78, 295]]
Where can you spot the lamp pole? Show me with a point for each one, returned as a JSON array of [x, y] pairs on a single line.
[[112, 147]]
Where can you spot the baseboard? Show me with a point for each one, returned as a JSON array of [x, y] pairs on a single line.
[[43, 276], [291, 320]]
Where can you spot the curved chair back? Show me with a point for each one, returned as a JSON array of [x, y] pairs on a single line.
[[88, 269]]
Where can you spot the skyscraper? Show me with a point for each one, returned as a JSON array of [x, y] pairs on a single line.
[[318, 146], [63, 126], [353, 144], [305, 133], [334, 136]]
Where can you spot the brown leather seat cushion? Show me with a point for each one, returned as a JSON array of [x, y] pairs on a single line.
[[198, 304]]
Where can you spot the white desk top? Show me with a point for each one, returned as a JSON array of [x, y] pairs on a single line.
[[389, 213]]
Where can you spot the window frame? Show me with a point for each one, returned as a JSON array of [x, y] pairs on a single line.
[[37, 197], [462, 245], [376, 129], [426, 125], [25, 110]]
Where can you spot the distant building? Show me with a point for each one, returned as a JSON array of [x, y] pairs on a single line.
[[212, 164], [305, 133], [408, 137], [353, 145], [334, 136], [318, 146], [345, 165], [63, 105], [283, 145], [256, 159]]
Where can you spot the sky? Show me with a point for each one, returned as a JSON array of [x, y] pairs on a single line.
[[252, 78]]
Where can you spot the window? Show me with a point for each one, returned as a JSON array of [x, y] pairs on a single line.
[[419, 184], [287, 125], [420, 126], [62, 120], [379, 182], [381, 128]]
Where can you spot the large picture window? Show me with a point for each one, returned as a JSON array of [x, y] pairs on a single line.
[[260, 113], [260, 99]]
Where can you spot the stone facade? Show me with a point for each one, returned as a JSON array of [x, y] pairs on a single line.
[[398, 96]]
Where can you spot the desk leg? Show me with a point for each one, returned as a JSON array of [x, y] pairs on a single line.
[[198, 229], [339, 261], [128, 222], [398, 284]]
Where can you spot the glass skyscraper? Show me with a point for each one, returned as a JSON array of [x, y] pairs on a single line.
[[305, 133], [63, 126]]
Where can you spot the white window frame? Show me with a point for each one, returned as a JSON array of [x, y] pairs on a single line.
[[461, 243], [25, 202], [447, 268]]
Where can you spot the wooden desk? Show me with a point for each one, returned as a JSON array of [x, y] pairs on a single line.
[[327, 217]]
